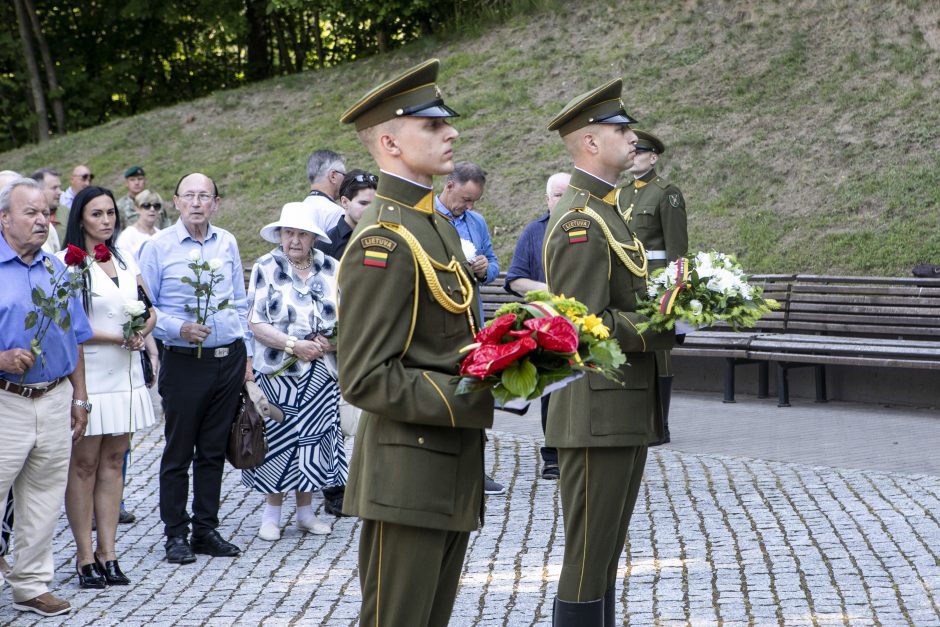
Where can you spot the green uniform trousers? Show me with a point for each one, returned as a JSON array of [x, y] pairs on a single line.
[[599, 487], [408, 575]]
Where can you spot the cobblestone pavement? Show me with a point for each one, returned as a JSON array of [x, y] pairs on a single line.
[[715, 540]]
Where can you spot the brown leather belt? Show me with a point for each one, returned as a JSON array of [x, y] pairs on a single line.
[[26, 391]]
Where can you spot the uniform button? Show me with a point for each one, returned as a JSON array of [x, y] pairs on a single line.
[[421, 440]]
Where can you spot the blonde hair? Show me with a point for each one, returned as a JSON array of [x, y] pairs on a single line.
[[147, 196]]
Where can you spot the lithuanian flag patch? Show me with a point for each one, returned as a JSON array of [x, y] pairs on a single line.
[[577, 236], [375, 258]]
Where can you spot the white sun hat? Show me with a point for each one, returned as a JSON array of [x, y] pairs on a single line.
[[294, 215]]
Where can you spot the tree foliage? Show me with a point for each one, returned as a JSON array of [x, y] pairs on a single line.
[[115, 58]]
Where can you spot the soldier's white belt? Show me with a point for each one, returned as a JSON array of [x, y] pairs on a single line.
[[656, 255]]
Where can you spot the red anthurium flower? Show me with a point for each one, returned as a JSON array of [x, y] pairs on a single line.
[[495, 331], [492, 358], [102, 254], [554, 334], [74, 255]]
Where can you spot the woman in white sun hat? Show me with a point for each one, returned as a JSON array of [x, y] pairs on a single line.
[[292, 300]]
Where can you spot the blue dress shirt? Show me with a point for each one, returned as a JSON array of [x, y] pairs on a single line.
[[164, 260], [59, 347], [527, 258], [471, 226]]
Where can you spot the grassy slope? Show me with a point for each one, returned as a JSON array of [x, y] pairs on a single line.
[[803, 135]]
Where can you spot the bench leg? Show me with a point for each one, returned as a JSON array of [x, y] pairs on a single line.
[[783, 386], [821, 383], [729, 380], [762, 386]]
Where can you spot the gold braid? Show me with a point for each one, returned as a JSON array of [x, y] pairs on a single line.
[[618, 248], [428, 266]]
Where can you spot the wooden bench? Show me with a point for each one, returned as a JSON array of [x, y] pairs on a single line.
[[854, 321], [495, 296]]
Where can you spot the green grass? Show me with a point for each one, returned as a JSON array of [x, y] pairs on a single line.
[[804, 135]]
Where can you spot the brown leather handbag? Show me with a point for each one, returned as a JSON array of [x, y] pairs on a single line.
[[247, 444]]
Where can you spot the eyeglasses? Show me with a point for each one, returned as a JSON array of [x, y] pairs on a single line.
[[340, 172], [370, 179], [156, 206], [86, 177], [188, 197]]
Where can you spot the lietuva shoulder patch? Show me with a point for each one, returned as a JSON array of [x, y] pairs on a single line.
[[376, 241], [576, 223], [577, 230]]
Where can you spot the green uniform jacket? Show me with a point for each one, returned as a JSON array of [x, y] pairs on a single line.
[[579, 263], [418, 458], [657, 216]]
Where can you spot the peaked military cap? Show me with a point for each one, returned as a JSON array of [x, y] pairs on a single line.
[[413, 93], [598, 106], [647, 142], [134, 170]]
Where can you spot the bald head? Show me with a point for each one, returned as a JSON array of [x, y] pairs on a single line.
[[196, 199]]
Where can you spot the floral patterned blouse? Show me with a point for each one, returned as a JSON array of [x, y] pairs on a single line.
[[295, 306]]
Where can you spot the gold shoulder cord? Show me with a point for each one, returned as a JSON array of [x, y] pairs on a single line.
[[428, 267], [618, 247]]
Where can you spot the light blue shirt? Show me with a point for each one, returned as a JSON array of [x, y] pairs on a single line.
[[164, 260], [472, 227], [60, 348]]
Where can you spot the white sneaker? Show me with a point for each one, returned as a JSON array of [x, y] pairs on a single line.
[[269, 531], [313, 525]]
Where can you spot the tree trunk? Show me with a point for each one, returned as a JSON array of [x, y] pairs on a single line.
[[318, 38], [381, 39], [259, 61], [55, 94], [32, 68], [285, 64]]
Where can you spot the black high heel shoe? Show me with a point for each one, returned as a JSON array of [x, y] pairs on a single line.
[[90, 577], [112, 572]]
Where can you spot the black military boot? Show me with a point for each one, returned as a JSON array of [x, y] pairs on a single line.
[[572, 614], [610, 607], [665, 395]]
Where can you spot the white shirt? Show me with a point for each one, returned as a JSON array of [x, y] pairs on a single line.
[[325, 219], [131, 239]]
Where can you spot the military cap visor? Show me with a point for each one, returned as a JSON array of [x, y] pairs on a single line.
[[647, 142], [599, 106], [413, 93]]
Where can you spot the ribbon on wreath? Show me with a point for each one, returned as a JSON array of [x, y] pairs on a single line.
[[668, 300]]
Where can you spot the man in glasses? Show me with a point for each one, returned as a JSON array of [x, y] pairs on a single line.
[[655, 209], [325, 171], [81, 178], [200, 386]]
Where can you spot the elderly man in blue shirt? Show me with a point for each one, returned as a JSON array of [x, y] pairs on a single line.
[[526, 274], [200, 389], [43, 401]]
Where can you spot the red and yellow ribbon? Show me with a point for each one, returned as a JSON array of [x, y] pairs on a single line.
[[668, 300]]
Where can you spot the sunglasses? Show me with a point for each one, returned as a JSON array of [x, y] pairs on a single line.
[[87, 177], [156, 206], [370, 179]]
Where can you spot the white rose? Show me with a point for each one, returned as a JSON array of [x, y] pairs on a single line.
[[652, 290], [215, 264], [134, 308], [469, 249], [696, 306], [195, 255]]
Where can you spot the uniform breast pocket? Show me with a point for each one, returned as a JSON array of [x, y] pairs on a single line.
[[452, 324], [415, 467], [645, 218], [624, 409]]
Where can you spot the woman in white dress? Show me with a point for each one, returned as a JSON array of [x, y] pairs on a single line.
[[113, 374], [148, 205]]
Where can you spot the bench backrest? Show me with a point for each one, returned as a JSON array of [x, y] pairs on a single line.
[[887, 307]]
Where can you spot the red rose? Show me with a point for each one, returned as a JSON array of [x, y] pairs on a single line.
[[554, 334], [102, 254], [495, 330], [492, 358], [74, 256]]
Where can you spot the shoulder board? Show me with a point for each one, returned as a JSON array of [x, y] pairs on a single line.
[[389, 213], [662, 183]]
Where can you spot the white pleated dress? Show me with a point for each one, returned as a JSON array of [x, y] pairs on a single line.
[[114, 377]]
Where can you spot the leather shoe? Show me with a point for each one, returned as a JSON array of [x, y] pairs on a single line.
[[112, 572], [178, 551], [89, 577], [213, 544], [334, 506], [550, 471]]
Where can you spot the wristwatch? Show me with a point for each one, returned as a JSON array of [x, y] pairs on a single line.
[[83, 404]]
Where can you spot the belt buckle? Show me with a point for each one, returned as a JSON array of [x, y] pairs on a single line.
[[220, 352]]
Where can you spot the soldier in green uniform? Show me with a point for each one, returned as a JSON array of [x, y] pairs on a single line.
[[407, 305], [600, 428], [655, 210]]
